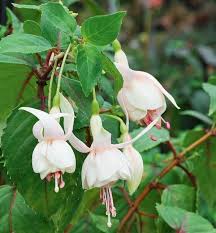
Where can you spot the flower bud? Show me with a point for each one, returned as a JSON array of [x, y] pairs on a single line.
[[136, 165]]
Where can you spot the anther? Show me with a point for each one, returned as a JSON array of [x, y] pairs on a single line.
[[62, 183]]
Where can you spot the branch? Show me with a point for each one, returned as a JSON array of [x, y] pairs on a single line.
[[166, 170], [24, 85], [38, 56], [188, 173], [172, 148], [147, 214], [126, 196], [130, 202]]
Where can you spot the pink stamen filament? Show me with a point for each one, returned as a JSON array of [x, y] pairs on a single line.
[[166, 123], [62, 183], [58, 179], [107, 199], [149, 118]]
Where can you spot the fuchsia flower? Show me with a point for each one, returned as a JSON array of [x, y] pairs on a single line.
[[142, 97], [53, 156], [105, 164]]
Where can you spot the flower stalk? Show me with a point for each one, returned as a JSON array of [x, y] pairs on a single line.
[[61, 70], [50, 84]]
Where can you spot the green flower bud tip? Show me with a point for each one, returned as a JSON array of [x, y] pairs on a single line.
[[95, 107], [56, 100], [116, 45]]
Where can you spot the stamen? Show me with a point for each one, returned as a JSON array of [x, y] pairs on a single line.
[[56, 183], [113, 209], [158, 126], [147, 119], [101, 194], [104, 197], [166, 123], [168, 126], [107, 199], [49, 177], [62, 183], [107, 207]]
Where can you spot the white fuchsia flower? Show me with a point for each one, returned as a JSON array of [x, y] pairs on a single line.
[[142, 97], [53, 156], [136, 165], [105, 164]]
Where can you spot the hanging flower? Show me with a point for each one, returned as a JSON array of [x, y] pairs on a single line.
[[53, 156], [105, 164], [136, 165], [142, 97]]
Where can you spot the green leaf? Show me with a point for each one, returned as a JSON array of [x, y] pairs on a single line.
[[94, 7], [102, 29], [105, 87], [13, 60], [100, 223], [55, 21], [32, 27], [12, 77], [24, 43], [205, 162], [198, 115], [111, 125], [89, 67], [81, 103], [89, 198], [179, 195], [145, 142], [18, 144], [14, 21], [23, 6], [111, 69], [211, 90], [21, 216], [69, 2], [183, 221], [3, 30]]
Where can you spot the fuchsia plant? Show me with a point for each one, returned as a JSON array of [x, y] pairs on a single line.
[[67, 147], [105, 164]]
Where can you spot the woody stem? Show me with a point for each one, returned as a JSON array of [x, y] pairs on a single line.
[[165, 171]]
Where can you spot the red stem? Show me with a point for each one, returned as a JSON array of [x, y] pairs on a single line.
[[24, 85]]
